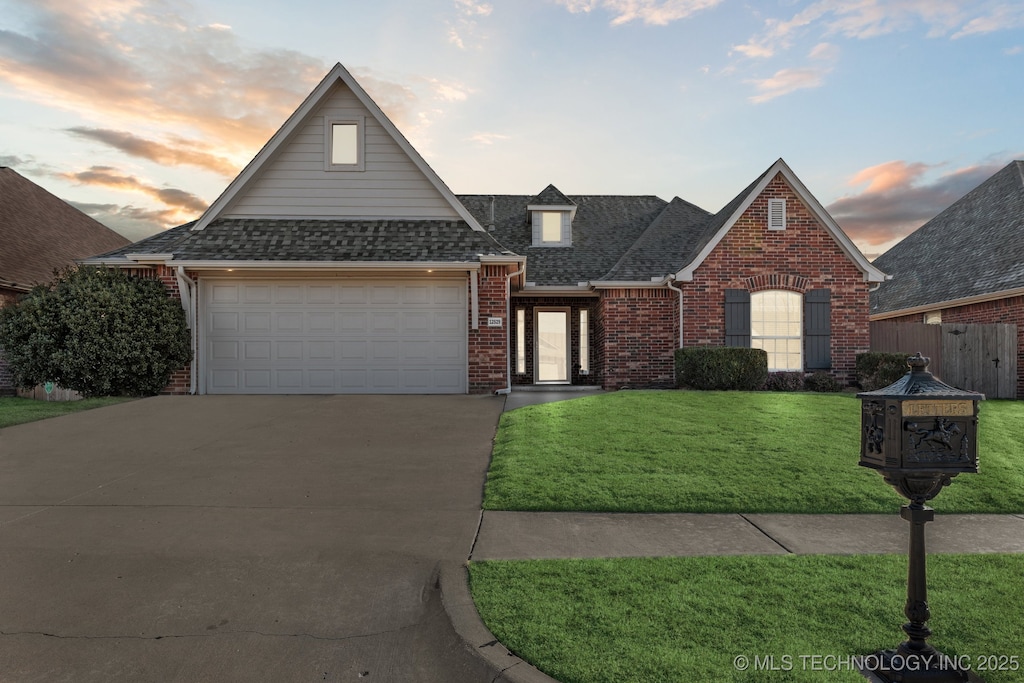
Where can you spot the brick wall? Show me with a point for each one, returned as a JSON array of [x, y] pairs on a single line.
[[180, 379], [575, 305], [638, 336], [488, 346], [802, 257]]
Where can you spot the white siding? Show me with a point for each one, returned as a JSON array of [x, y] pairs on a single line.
[[295, 184]]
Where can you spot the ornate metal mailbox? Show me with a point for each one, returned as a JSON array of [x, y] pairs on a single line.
[[918, 433], [919, 424]]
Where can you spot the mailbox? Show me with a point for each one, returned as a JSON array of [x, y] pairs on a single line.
[[918, 424]]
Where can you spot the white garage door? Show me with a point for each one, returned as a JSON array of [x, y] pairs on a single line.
[[334, 336]]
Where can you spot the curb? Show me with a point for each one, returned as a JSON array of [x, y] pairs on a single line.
[[458, 604]]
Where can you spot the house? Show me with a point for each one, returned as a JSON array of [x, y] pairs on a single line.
[[338, 261], [966, 265], [39, 234]]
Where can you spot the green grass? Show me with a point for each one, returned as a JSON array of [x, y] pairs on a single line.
[[15, 411], [680, 451], [654, 620]]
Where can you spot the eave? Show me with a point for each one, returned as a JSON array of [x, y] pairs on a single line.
[[948, 303]]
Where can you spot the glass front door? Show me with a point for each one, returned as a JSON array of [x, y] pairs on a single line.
[[552, 346]]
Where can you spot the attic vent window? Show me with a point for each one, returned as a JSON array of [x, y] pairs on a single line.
[[344, 142], [776, 214]]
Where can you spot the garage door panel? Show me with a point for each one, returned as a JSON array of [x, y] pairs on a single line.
[[294, 336]]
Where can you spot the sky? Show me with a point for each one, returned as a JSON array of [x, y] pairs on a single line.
[[140, 112]]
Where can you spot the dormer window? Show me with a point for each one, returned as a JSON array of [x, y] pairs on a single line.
[[550, 226], [344, 145], [551, 213]]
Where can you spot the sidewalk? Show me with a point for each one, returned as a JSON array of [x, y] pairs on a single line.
[[555, 535]]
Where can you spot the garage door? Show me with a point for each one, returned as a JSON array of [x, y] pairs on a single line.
[[334, 336]]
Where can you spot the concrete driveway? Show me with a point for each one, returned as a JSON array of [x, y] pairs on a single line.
[[254, 538]]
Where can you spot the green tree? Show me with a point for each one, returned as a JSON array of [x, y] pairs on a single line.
[[99, 331]]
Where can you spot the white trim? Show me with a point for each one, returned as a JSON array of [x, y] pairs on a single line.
[[312, 101], [871, 274], [949, 303], [630, 284], [328, 265], [475, 298], [571, 208]]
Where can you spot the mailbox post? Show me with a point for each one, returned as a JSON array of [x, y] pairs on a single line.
[[919, 433]]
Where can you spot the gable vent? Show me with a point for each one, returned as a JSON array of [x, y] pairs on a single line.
[[776, 214]]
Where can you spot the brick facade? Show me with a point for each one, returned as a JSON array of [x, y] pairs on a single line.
[[575, 305], [800, 258], [488, 346], [181, 379], [638, 336], [1009, 311]]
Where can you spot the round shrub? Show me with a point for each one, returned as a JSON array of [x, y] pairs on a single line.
[[99, 331], [721, 368], [784, 381], [822, 381], [876, 369]]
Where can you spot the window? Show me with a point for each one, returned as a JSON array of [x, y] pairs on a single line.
[[776, 214], [550, 226], [933, 318], [584, 343], [521, 341], [344, 141], [776, 324]]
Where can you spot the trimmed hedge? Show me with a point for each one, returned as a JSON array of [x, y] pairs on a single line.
[[876, 369], [98, 331], [721, 368]]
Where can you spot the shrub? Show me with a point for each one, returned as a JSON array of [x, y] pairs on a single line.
[[876, 369], [721, 367], [99, 331], [822, 381], [784, 381]]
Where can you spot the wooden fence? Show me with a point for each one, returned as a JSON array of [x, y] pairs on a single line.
[[973, 357]]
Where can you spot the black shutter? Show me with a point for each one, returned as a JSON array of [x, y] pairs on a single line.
[[737, 317], [818, 329]]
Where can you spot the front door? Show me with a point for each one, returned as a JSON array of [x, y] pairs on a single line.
[[552, 346]]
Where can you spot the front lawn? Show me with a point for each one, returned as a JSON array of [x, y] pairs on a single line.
[[15, 411], [681, 451], [651, 620]]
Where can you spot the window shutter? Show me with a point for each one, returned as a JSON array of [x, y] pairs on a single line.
[[818, 329], [737, 317], [535, 222], [566, 229], [776, 214]]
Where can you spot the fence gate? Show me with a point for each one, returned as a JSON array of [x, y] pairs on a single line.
[[968, 356]]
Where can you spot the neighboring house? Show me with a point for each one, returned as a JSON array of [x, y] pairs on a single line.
[[339, 262], [39, 234], [966, 265]]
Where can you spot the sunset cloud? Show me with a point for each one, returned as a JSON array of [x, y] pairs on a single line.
[[180, 153], [786, 81], [466, 25], [651, 12], [898, 200], [106, 176], [133, 222]]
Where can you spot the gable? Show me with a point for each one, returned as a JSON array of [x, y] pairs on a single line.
[[295, 184], [757, 197], [294, 177], [753, 246]]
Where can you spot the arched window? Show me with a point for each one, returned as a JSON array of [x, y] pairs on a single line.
[[776, 325]]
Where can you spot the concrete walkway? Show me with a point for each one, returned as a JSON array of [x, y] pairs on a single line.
[[554, 535]]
